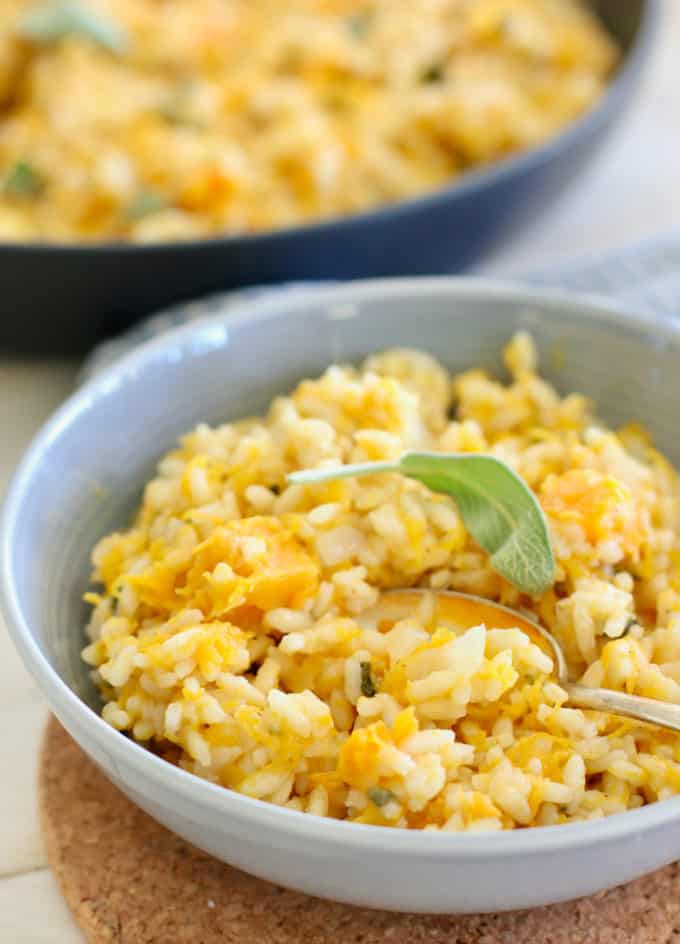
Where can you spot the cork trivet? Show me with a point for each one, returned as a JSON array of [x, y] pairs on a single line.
[[128, 880]]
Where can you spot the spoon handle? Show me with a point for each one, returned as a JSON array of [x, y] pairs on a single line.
[[630, 706]]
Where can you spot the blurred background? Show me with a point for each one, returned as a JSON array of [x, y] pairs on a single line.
[[153, 154]]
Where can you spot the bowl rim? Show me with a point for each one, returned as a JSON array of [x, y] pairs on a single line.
[[469, 183], [290, 825]]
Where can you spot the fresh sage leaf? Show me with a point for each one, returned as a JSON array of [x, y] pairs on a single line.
[[23, 180], [497, 507], [63, 18], [144, 204]]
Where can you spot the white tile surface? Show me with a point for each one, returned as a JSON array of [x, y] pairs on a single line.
[[28, 394], [30, 907], [21, 848], [15, 682], [33, 912], [629, 191]]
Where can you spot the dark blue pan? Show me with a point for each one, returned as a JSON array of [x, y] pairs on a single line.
[[62, 299]]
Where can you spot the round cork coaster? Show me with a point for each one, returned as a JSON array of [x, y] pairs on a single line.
[[128, 880]]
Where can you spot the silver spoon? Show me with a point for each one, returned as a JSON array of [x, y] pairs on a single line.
[[464, 611]]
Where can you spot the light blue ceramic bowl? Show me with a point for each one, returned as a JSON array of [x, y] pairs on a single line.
[[83, 474]]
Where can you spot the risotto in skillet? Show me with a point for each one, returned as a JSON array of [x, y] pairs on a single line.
[[152, 120], [236, 632]]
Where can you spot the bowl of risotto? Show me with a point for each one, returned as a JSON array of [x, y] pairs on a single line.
[[229, 143], [211, 633]]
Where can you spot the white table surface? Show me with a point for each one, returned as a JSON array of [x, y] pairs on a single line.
[[631, 190]]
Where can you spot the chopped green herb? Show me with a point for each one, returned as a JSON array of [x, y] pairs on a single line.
[[435, 73], [144, 204], [381, 796], [359, 23], [61, 19], [368, 687], [176, 108], [176, 113], [497, 507], [23, 181], [114, 604], [172, 112]]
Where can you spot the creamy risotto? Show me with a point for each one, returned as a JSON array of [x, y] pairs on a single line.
[[236, 632], [169, 119]]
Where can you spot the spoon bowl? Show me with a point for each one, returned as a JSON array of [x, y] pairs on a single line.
[[461, 611]]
